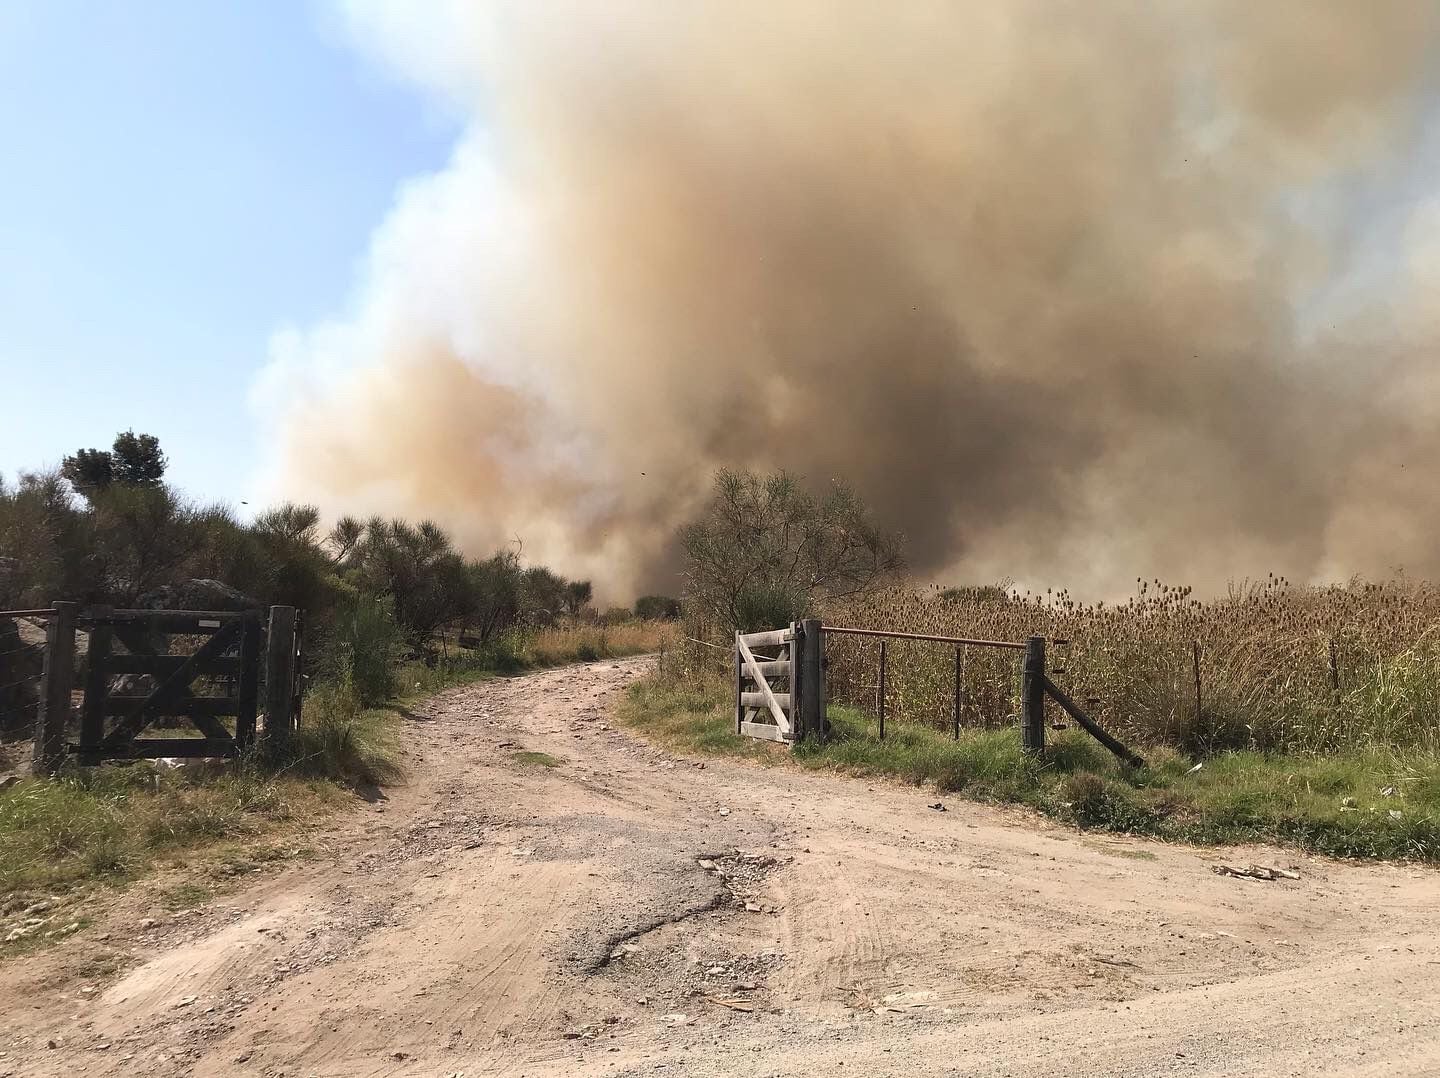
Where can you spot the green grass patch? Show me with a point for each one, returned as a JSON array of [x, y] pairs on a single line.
[[529, 758], [1132, 855], [187, 895], [1361, 804], [111, 823]]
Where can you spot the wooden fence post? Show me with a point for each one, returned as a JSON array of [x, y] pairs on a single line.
[[1032, 697], [739, 686], [1199, 701], [280, 676], [959, 686], [56, 683], [881, 692], [810, 680]]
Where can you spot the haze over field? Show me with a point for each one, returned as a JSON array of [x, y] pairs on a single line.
[[1071, 291]]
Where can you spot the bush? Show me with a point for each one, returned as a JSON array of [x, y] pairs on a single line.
[[364, 648], [657, 607]]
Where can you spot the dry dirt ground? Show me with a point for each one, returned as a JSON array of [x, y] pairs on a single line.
[[628, 912]]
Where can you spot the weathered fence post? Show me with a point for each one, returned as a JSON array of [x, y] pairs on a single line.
[[810, 680], [880, 692], [56, 683], [1032, 697], [1199, 702], [959, 686], [280, 676], [739, 686]]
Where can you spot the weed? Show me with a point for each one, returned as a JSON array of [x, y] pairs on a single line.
[[535, 759]]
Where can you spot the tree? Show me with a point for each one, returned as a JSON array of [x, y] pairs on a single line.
[[577, 596], [146, 536], [138, 460], [47, 544], [657, 607], [543, 595], [766, 551], [416, 566], [495, 586], [133, 460], [89, 471]]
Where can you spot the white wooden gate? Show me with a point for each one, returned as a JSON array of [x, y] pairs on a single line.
[[780, 683]]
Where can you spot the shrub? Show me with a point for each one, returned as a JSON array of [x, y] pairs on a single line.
[[364, 647], [657, 607], [339, 739]]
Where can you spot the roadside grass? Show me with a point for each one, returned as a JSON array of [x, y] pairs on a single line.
[[111, 824], [530, 758], [1374, 803]]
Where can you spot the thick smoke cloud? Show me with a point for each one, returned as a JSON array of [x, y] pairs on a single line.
[[1073, 292]]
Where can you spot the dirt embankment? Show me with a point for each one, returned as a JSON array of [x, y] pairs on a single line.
[[628, 912]]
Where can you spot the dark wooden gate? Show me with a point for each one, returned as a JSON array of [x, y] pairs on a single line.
[[195, 674], [225, 661]]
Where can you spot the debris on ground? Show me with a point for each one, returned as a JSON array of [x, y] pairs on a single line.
[[1113, 960], [736, 1004], [1255, 872]]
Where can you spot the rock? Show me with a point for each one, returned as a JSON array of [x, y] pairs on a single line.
[[707, 864], [939, 806], [148, 923], [724, 812], [185, 1001], [196, 594], [8, 781]]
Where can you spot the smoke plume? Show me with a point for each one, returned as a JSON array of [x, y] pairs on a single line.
[[1071, 291]]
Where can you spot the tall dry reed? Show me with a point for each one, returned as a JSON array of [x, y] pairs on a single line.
[[1280, 667]]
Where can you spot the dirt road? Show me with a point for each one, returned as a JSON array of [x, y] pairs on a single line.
[[627, 912]]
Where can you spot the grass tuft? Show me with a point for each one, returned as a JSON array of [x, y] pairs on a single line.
[[530, 758]]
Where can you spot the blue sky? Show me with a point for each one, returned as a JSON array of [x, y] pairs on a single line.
[[180, 179]]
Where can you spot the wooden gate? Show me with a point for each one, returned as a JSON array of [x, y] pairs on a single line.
[[786, 713], [134, 680]]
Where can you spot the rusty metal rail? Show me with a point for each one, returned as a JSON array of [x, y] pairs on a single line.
[[922, 636]]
